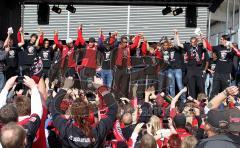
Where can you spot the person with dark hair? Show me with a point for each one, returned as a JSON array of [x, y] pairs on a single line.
[[8, 113], [180, 123], [196, 53], [107, 49], [123, 65], [210, 73], [175, 63], [13, 135], [174, 141], [28, 51], [12, 56], [222, 76], [46, 52], [77, 131], [69, 54], [216, 128], [90, 60]]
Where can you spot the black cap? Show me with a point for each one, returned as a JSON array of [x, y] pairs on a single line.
[[217, 118], [91, 39], [234, 120], [180, 120]]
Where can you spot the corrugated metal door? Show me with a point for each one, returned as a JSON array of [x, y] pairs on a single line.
[[109, 18], [147, 19], [155, 25], [56, 21]]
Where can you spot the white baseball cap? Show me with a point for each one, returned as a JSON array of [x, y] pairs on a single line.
[[69, 40]]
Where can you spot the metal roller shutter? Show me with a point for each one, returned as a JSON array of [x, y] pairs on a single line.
[[147, 19], [154, 25], [56, 21], [109, 18]]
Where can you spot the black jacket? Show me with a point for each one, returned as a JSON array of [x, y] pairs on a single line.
[[72, 136], [220, 141]]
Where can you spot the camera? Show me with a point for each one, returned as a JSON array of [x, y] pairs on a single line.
[[90, 96], [20, 79]]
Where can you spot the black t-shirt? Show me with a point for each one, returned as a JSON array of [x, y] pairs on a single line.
[[195, 56], [106, 63], [224, 61], [12, 57], [212, 65], [175, 58], [30, 53], [46, 54]]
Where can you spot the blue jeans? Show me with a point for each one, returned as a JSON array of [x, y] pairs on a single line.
[[175, 74], [208, 82], [162, 81], [2, 81], [107, 77]]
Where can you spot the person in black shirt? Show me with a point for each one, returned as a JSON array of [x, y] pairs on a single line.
[[11, 58], [210, 72], [107, 64], [175, 69], [224, 64], [45, 52], [29, 51], [195, 57]]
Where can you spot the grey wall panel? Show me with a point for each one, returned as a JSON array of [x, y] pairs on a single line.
[[109, 18], [56, 21], [153, 24], [147, 19]]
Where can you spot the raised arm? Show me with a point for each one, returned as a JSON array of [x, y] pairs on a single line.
[[100, 41], [36, 102], [3, 95], [175, 99], [218, 99], [7, 39], [136, 41], [20, 37], [235, 50], [206, 44], [80, 36], [144, 47], [39, 41], [56, 41], [78, 40], [176, 35]]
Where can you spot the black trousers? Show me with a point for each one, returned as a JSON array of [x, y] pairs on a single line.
[[220, 82], [121, 82], [195, 82]]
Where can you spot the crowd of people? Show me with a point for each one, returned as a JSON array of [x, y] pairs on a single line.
[[118, 91]]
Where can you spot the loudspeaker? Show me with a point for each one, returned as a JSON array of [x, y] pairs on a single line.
[[214, 5], [191, 16], [43, 14]]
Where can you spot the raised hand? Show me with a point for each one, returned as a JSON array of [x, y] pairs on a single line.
[[29, 82], [184, 89], [21, 29], [232, 90], [10, 83], [56, 32]]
